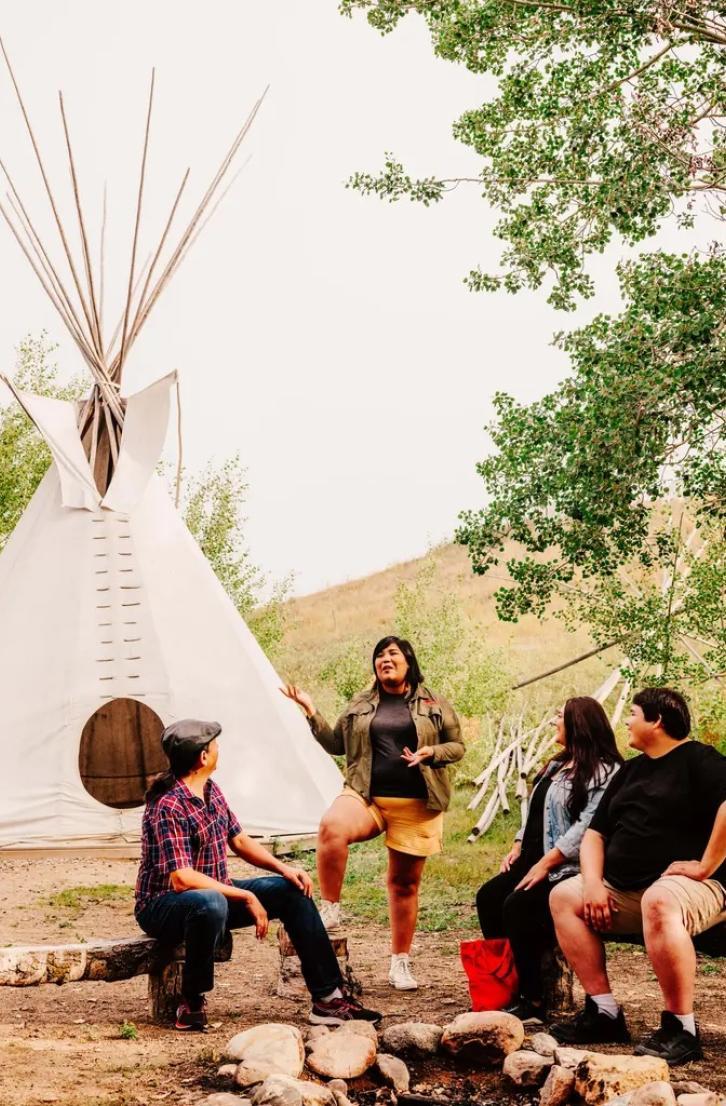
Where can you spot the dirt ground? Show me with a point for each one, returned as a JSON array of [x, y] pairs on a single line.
[[64, 1044]]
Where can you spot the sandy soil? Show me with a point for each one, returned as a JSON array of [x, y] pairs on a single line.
[[63, 1044]]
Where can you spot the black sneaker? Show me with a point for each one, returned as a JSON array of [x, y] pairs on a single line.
[[191, 1014], [339, 1010], [671, 1042], [590, 1027], [528, 1012]]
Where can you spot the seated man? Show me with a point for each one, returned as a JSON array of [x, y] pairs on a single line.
[[652, 862], [184, 893]]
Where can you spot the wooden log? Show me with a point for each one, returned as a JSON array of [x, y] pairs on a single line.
[[105, 961], [30, 965]]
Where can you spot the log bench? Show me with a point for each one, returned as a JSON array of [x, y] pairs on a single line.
[[106, 961]]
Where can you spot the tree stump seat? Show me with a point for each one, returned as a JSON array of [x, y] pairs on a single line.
[[290, 982], [107, 961]]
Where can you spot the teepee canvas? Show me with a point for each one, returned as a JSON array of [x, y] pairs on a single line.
[[112, 623]]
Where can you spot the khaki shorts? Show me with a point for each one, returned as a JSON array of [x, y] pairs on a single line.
[[702, 903], [409, 825]]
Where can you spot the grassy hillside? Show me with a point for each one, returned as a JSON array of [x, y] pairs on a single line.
[[364, 609]]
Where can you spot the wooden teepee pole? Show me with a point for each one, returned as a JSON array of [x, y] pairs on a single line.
[[173, 262], [49, 191], [82, 227], [154, 260], [142, 177]]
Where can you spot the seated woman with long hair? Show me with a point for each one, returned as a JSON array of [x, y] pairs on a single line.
[[566, 792], [398, 739]]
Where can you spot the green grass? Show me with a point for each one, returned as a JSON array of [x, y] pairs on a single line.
[[128, 1031], [74, 900]]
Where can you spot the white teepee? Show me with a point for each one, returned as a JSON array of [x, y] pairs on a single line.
[[112, 623]]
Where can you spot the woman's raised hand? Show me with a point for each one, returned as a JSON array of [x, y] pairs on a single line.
[[300, 697], [511, 856]]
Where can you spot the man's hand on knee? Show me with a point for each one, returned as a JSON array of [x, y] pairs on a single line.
[[691, 869], [598, 906]]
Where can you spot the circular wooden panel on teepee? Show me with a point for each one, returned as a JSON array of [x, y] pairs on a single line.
[[121, 752]]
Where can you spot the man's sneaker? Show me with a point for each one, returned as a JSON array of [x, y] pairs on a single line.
[[192, 1014], [590, 1027], [336, 1011], [671, 1042], [400, 975], [330, 914], [528, 1012]]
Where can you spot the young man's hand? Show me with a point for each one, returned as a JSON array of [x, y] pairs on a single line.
[[259, 914], [598, 906], [692, 869], [299, 878]]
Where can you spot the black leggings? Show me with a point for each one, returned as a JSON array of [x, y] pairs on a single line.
[[522, 916]]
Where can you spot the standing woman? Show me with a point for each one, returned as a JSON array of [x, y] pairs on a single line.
[[566, 792], [398, 739]]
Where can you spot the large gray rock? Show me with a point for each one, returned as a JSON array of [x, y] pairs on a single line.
[[342, 1055], [412, 1038], [363, 1029], [526, 1068], [544, 1044], [704, 1098], [600, 1078], [488, 1036], [568, 1057], [393, 1072], [271, 1049], [224, 1098], [249, 1074], [653, 1094], [314, 1033], [283, 1090], [558, 1086]]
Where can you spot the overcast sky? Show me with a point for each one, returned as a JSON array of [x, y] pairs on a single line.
[[326, 338]]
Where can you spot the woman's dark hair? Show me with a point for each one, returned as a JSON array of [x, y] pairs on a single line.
[[181, 763], [414, 676], [590, 747], [669, 706]]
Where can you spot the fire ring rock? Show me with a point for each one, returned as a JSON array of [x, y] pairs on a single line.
[[488, 1036]]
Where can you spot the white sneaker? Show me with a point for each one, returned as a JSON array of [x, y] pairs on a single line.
[[400, 975], [330, 913]]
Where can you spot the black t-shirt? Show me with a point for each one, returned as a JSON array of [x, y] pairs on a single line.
[[533, 836], [392, 729], [656, 810]]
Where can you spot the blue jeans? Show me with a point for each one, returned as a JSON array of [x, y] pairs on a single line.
[[199, 919]]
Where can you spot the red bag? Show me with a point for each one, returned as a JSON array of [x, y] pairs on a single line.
[[491, 971]]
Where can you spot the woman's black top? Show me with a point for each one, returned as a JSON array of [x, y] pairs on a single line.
[[533, 837], [392, 729]]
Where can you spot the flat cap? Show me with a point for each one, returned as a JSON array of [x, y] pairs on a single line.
[[188, 734]]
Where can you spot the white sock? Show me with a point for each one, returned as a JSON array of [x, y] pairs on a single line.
[[606, 1004], [328, 902], [337, 993], [396, 956], [688, 1021]]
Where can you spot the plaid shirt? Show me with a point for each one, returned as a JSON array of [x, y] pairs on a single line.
[[180, 830]]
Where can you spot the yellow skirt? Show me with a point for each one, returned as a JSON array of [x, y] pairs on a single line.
[[409, 825]]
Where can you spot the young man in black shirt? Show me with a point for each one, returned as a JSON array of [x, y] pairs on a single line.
[[653, 862]]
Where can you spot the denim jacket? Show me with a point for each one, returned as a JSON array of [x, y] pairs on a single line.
[[559, 830]]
